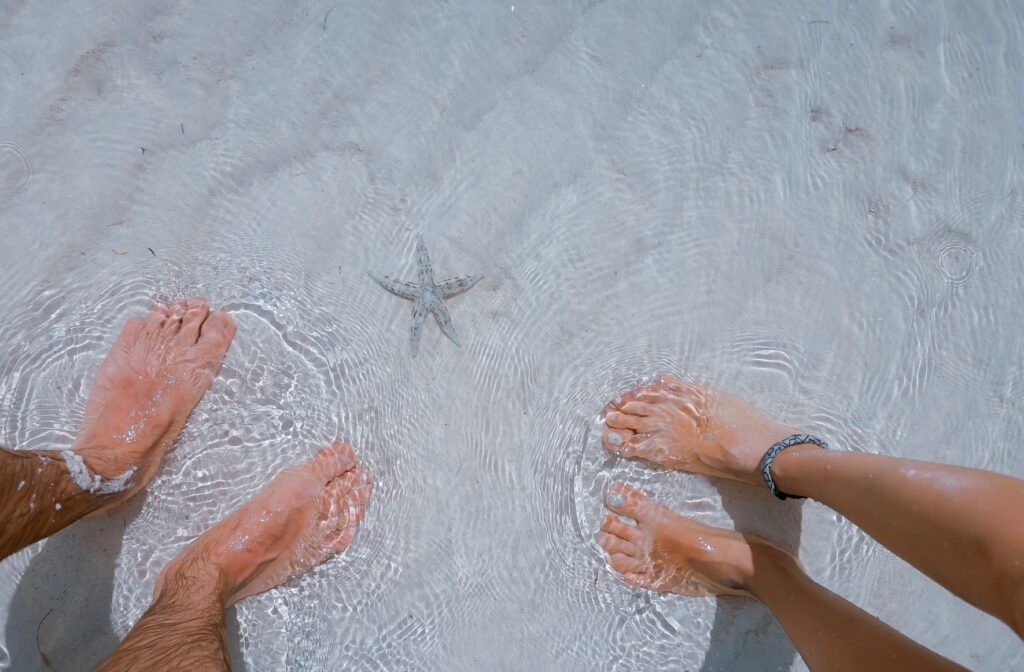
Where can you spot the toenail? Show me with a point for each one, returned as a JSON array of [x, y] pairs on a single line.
[[616, 499], [614, 438]]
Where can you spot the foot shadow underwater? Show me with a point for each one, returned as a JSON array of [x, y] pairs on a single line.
[[745, 636], [59, 618]]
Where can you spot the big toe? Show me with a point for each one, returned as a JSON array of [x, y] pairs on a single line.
[[333, 461], [626, 500], [216, 333], [130, 331], [617, 440]]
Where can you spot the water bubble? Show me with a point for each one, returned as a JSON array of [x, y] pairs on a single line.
[[956, 258], [15, 167]]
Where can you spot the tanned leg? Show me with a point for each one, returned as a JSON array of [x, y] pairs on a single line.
[[962, 527], [301, 518], [141, 397], [667, 552]]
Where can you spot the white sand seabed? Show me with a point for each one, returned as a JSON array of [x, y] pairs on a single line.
[[816, 205]]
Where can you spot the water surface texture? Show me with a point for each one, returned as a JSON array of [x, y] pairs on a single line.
[[817, 205]]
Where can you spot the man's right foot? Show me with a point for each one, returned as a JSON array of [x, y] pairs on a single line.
[[302, 517], [691, 427]]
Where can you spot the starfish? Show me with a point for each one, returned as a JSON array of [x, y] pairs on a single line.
[[428, 295]]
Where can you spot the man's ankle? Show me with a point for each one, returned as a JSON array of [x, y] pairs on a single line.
[[191, 580]]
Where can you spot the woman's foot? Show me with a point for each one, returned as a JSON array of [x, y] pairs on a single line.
[[304, 516], [691, 427], [157, 371], [670, 553]]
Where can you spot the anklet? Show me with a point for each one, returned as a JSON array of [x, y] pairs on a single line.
[[94, 483], [773, 452]]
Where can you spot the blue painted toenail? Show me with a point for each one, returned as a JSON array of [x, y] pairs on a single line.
[[616, 499], [614, 438]]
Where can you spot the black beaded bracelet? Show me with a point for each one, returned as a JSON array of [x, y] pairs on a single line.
[[773, 452]]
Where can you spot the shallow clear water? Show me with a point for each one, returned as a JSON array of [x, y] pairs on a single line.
[[816, 205]]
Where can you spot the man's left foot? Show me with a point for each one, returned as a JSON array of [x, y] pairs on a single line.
[[157, 371]]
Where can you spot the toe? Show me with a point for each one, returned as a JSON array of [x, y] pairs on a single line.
[[679, 390], [638, 408], [336, 495], [616, 439], [352, 492], [626, 501], [673, 383], [653, 395], [637, 445], [161, 308], [359, 495], [130, 331], [625, 564], [155, 320], [634, 394], [216, 332], [176, 310], [340, 539], [334, 460], [196, 313], [619, 420], [172, 325], [614, 525], [637, 579], [612, 544]]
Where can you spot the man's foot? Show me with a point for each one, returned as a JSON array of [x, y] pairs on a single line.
[[146, 387], [302, 517], [691, 427], [670, 553]]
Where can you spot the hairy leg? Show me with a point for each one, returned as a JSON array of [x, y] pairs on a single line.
[[141, 397], [962, 527], [302, 517], [184, 627], [667, 552], [38, 497]]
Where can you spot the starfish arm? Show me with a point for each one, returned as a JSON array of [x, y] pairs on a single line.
[[403, 289], [419, 312], [444, 320], [455, 286], [423, 262]]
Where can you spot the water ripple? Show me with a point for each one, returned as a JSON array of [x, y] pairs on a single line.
[[15, 167]]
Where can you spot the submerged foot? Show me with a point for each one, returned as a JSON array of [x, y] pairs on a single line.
[[691, 427], [157, 371], [304, 516], [670, 553]]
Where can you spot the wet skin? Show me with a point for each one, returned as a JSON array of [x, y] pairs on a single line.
[[147, 386], [960, 526], [154, 375], [142, 395], [301, 518]]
